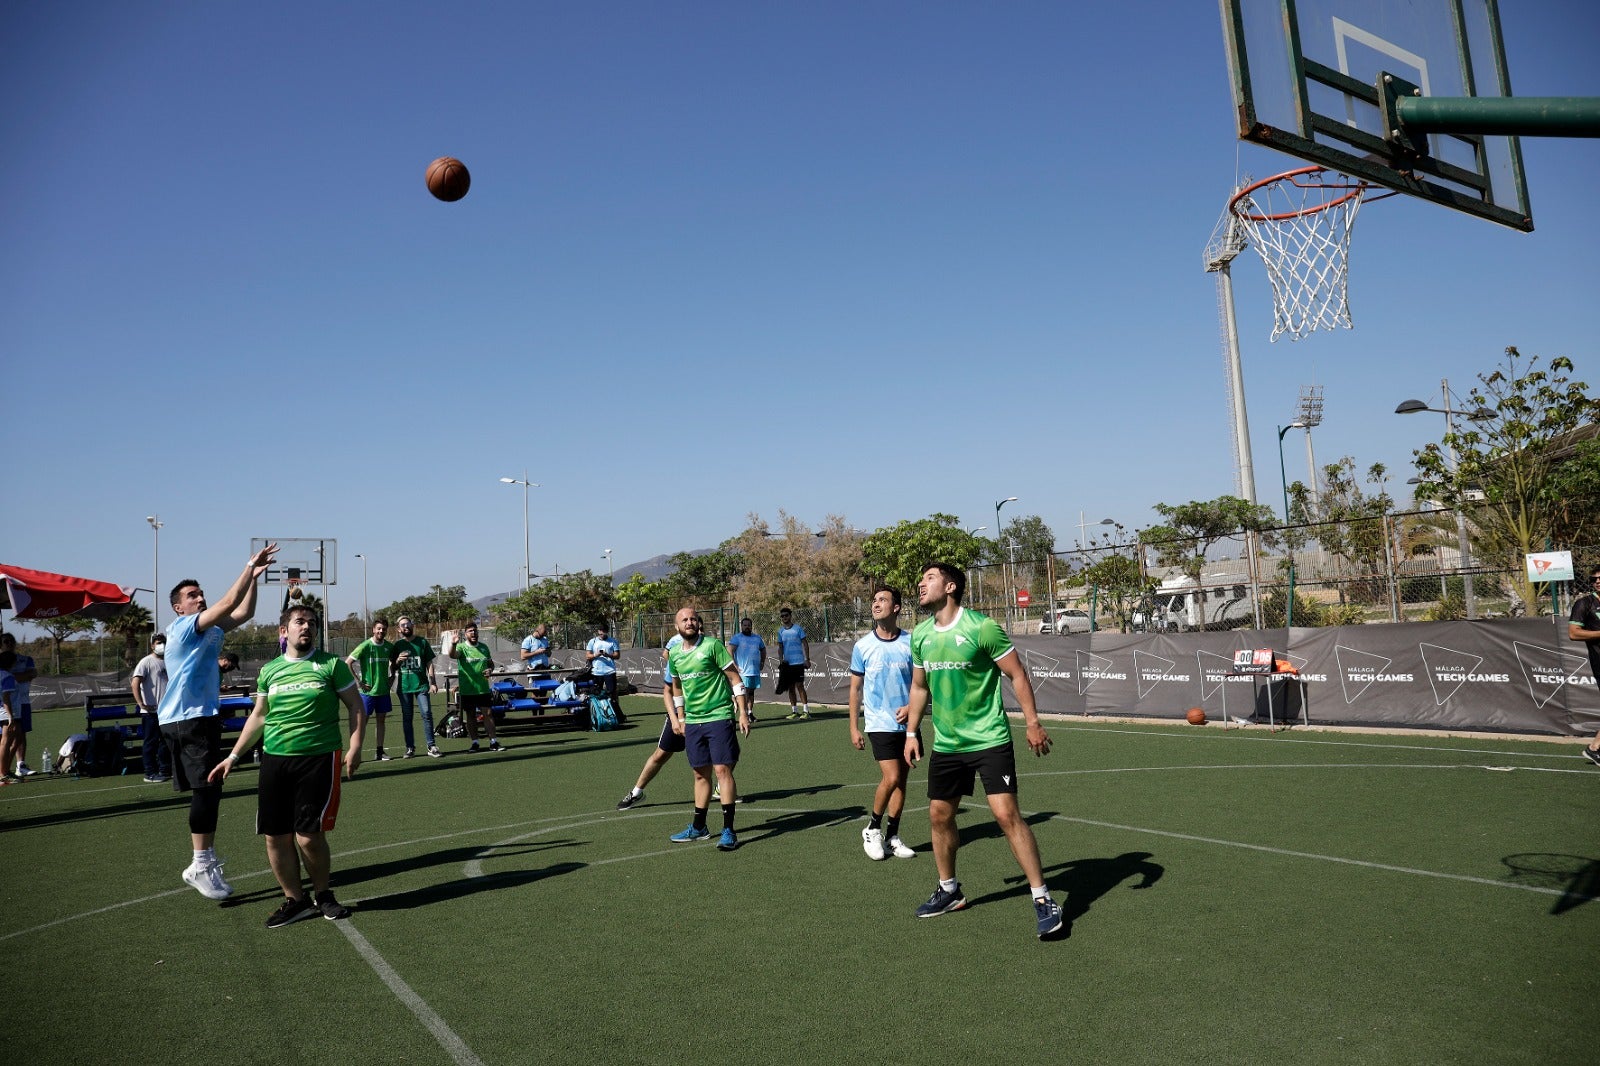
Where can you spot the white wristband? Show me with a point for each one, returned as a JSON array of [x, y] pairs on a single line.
[[677, 702], [738, 690]]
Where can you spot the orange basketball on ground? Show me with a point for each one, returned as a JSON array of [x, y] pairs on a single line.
[[1196, 716], [448, 179]]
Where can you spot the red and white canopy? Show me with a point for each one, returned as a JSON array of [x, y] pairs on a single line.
[[35, 594]]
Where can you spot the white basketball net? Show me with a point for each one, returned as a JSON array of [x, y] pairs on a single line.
[[1300, 226]]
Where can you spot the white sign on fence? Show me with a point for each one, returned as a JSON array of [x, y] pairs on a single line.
[[1550, 566]]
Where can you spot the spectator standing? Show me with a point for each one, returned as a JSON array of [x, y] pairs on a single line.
[[750, 656], [149, 684], [370, 664], [796, 651], [1584, 625], [473, 663], [602, 653], [415, 682], [23, 671]]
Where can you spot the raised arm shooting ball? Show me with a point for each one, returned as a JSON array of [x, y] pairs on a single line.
[[448, 179]]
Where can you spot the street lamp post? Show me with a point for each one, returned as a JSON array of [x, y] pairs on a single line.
[[611, 571], [1283, 483], [155, 577], [366, 612], [1463, 544], [527, 569], [999, 504], [1083, 536]]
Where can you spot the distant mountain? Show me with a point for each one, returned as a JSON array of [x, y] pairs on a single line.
[[653, 569]]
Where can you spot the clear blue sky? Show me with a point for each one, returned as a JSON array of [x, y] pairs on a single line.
[[717, 258]]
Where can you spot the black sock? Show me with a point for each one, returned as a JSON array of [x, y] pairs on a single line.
[[727, 816], [699, 817], [894, 827], [877, 820]]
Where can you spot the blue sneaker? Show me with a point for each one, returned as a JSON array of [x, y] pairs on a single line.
[[727, 842], [1048, 912], [689, 835], [942, 902]]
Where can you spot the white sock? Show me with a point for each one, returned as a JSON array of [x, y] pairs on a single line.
[[805, 708], [204, 857], [948, 886], [1041, 892], [636, 792]]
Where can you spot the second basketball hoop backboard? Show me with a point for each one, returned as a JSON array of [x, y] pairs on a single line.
[[1310, 77], [308, 560]]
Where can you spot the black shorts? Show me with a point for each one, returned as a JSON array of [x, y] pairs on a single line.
[[196, 747], [887, 746], [670, 742], [475, 701], [950, 774], [297, 793], [711, 743], [789, 674]]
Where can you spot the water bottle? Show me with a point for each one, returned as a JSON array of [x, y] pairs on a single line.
[[49, 762]]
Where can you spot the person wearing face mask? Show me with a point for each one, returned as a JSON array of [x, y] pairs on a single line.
[[149, 684]]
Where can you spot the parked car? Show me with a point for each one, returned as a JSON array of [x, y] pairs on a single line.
[[1064, 620]]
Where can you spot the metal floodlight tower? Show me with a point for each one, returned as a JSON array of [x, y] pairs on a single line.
[[1308, 412]]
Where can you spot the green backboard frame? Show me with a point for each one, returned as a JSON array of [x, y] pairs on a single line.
[[1316, 79]]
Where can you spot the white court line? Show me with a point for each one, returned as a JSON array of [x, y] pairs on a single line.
[[1319, 858], [1234, 734], [15, 796], [453, 1045], [1305, 766]]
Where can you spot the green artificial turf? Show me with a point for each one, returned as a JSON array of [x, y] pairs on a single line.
[[1237, 897]]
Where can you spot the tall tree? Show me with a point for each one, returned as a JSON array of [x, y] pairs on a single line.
[[637, 596], [1192, 529], [441, 603], [581, 598], [1024, 545], [1514, 457], [1350, 523], [897, 554], [1118, 586], [797, 566], [706, 578]]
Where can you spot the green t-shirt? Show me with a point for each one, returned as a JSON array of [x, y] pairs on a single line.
[[707, 694], [472, 669], [413, 669], [303, 703], [963, 681], [373, 655]]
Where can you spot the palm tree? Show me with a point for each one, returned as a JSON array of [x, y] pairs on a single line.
[[135, 626]]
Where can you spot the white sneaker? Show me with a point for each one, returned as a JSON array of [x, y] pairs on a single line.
[[23, 771], [900, 849], [872, 843], [207, 880]]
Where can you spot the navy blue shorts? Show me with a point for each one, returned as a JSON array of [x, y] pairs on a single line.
[[711, 743], [670, 742], [376, 704]]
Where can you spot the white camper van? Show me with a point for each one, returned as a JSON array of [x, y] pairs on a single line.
[[1181, 604]]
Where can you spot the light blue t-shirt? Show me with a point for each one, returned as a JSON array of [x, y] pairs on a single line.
[[23, 664], [666, 668], [747, 652], [603, 666], [194, 683], [789, 639], [8, 686], [540, 646], [884, 667]]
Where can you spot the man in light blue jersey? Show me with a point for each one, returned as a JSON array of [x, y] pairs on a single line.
[[750, 656], [880, 684], [535, 653], [795, 649], [190, 724]]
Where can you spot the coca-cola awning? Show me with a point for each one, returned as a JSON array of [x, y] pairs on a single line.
[[35, 594]]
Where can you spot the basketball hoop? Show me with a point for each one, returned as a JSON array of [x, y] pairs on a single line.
[[1300, 222]]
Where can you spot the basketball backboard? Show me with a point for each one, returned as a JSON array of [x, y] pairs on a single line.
[[1309, 79], [312, 560]]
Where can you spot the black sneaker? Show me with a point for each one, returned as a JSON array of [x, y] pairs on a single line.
[[331, 908], [1048, 913], [942, 902], [494, 745], [1592, 755], [629, 800], [291, 910]]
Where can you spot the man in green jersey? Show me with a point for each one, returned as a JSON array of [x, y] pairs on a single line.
[[370, 662], [707, 694], [957, 657], [413, 667], [473, 663], [297, 797]]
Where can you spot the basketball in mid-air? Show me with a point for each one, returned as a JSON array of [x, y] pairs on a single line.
[[1196, 716], [448, 179]]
